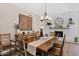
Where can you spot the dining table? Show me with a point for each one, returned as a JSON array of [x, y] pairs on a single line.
[[43, 44]]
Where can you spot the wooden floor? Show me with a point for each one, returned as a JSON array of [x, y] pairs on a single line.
[[71, 49]]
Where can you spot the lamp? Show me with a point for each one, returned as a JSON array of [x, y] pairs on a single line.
[[46, 18]]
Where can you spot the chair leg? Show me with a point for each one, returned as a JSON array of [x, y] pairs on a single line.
[[10, 46], [24, 48], [1, 50]]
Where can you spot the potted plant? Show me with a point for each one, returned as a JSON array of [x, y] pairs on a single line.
[[76, 39]]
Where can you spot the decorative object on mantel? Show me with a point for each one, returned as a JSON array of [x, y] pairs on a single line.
[[68, 25], [59, 28], [46, 18], [59, 22], [70, 21]]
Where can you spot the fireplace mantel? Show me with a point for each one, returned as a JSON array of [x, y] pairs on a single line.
[[60, 28]]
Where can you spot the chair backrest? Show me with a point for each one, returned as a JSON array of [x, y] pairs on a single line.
[[5, 39], [31, 39], [62, 45], [22, 46], [22, 37], [52, 33]]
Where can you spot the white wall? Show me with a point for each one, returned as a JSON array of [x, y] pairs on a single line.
[[9, 16], [72, 12], [74, 28], [39, 8]]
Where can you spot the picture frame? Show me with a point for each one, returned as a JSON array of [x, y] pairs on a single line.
[[25, 22]]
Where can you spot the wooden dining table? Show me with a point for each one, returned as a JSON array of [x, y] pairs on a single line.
[[43, 45], [47, 45]]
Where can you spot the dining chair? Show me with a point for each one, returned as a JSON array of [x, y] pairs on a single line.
[[57, 51], [22, 41], [21, 48], [31, 38], [21, 44], [53, 34], [37, 34], [6, 44], [58, 43]]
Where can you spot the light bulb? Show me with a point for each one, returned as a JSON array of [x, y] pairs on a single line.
[[41, 17], [50, 18], [47, 17], [41, 27]]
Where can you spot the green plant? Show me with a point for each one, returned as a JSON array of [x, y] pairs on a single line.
[[76, 39]]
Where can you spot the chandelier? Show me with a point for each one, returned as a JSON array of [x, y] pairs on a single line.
[[46, 18]]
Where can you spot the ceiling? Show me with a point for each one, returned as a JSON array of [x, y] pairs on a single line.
[[52, 8]]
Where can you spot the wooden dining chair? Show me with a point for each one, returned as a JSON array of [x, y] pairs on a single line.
[[6, 43], [58, 44], [21, 48], [31, 38], [57, 51]]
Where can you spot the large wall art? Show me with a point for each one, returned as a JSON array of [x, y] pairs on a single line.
[[25, 22]]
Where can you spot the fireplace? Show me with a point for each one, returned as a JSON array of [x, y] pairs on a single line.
[[59, 33]]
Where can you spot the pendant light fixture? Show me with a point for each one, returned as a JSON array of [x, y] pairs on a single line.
[[45, 17]]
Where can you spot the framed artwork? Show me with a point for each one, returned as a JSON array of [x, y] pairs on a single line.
[[25, 22]]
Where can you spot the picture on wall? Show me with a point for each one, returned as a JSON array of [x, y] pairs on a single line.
[[25, 22]]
